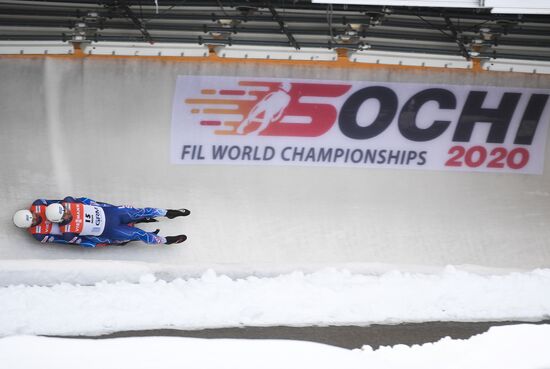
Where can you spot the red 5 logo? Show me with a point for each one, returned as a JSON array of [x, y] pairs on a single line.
[[276, 110], [322, 116]]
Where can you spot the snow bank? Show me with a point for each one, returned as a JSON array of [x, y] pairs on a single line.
[[506, 347], [326, 297]]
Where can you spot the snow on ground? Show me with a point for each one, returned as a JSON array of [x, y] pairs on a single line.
[[70, 298], [505, 347], [324, 297]]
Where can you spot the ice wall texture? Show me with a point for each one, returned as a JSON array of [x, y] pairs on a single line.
[[101, 128]]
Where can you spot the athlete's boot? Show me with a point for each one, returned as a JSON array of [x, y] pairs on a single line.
[[120, 244], [171, 213], [175, 239], [146, 220]]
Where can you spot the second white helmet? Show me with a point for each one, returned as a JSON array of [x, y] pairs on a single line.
[[23, 218], [55, 212]]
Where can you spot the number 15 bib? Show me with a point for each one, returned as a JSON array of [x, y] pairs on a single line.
[[87, 220]]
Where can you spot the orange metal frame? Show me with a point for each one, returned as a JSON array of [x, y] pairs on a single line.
[[341, 62]]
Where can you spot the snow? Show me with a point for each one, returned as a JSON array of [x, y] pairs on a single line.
[[325, 297], [69, 298], [506, 347]]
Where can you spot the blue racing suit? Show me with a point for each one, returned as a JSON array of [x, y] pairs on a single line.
[[117, 224], [48, 232]]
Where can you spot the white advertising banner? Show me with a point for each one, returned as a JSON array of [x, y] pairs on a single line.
[[267, 121]]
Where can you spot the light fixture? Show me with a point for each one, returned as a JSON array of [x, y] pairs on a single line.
[[276, 53], [225, 23], [355, 26], [36, 48], [79, 33], [486, 33], [350, 34], [409, 59], [145, 49]]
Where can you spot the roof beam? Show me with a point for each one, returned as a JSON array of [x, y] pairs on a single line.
[[465, 53], [122, 5], [282, 25]]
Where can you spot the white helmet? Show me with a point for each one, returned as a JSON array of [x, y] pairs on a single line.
[[23, 218], [55, 212]]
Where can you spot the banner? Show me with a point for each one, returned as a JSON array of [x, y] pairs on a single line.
[[267, 121]]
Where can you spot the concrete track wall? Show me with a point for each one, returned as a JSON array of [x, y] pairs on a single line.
[[101, 128]]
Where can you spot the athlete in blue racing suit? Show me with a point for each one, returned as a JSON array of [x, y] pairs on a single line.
[[45, 231], [119, 222]]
